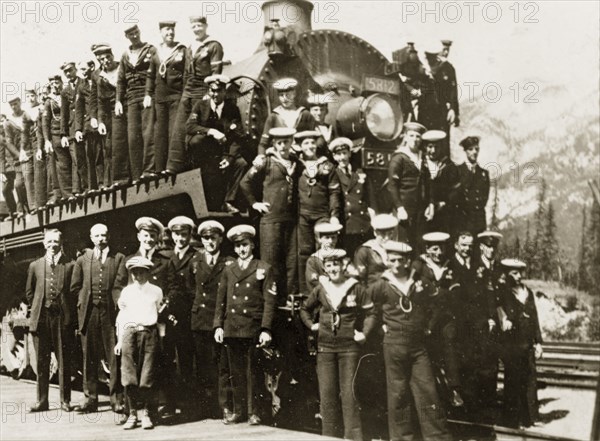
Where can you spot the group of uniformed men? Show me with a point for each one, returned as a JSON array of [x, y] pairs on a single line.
[[163, 110]]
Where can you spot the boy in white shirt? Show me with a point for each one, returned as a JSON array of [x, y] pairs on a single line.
[[137, 334]]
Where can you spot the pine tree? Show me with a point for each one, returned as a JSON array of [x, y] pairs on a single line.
[[517, 248], [592, 252], [529, 251], [548, 247], [494, 220], [536, 267], [581, 273]]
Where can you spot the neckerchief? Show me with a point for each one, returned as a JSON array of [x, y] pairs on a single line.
[[171, 54], [335, 293], [438, 271]]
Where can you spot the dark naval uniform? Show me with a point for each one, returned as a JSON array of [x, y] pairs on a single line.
[[445, 185], [212, 365], [158, 272], [206, 152], [319, 198], [201, 61], [358, 196], [28, 145], [79, 168], [11, 167], [370, 260], [278, 185], [304, 121], [131, 89], [407, 364], [60, 162], [34, 140], [447, 88], [409, 185], [245, 307], [86, 108], [51, 321], [93, 284], [471, 199], [165, 84], [520, 383]]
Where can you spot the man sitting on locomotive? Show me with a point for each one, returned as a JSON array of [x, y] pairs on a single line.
[[214, 130], [288, 114], [345, 316]]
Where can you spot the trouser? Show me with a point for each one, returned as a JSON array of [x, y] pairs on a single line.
[[64, 167], [444, 350], [8, 186], [52, 187], [212, 374], [306, 243], [27, 168], [140, 133], [245, 375], [278, 245], [177, 350], [79, 172], [41, 176], [412, 230], [335, 371], [178, 160], [98, 342], [166, 114], [119, 147], [520, 387], [410, 378], [95, 160], [52, 335]]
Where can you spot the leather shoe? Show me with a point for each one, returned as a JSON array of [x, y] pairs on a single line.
[[233, 419], [38, 407], [118, 408], [66, 406], [89, 407], [456, 400], [254, 420]]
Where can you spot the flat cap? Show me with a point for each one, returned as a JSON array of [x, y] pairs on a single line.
[[138, 262], [179, 222], [132, 28], [217, 78], [320, 99], [282, 132], [392, 246], [55, 78], [14, 100], [241, 232], [166, 24], [67, 65], [327, 228], [384, 222], [101, 48], [433, 135], [198, 19], [149, 223], [340, 144], [414, 127], [513, 264], [489, 237], [469, 142], [335, 254], [210, 226], [307, 134], [436, 237], [285, 84]]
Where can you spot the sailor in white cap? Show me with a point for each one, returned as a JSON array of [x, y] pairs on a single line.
[[215, 136], [370, 259], [410, 379], [437, 278], [408, 184], [345, 318], [212, 365], [287, 114], [522, 345], [327, 236], [358, 196], [270, 187], [244, 314], [138, 341]]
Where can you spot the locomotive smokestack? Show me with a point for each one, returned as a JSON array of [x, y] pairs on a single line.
[[296, 14]]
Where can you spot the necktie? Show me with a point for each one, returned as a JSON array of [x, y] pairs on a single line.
[[211, 260]]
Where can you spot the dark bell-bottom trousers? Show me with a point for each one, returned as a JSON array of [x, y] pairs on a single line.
[[64, 167], [178, 160], [94, 150], [27, 168], [51, 335], [140, 131], [98, 343], [444, 350], [177, 350], [335, 371], [520, 387], [278, 247], [14, 181], [410, 378], [306, 244], [246, 378], [79, 172], [166, 114], [119, 146]]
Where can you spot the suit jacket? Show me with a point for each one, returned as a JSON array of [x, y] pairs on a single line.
[[203, 118], [178, 291], [36, 287], [472, 197], [106, 93], [158, 273], [358, 197], [86, 104], [51, 117], [81, 284], [246, 300], [204, 283], [67, 108]]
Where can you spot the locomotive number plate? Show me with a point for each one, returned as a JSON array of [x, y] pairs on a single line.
[[372, 83], [376, 159]]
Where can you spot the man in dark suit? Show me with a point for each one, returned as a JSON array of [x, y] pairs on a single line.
[[93, 285], [212, 365], [473, 193], [214, 130], [243, 318], [178, 348], [52, 317]]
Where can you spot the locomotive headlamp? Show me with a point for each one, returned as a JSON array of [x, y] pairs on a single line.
[[379, 115]]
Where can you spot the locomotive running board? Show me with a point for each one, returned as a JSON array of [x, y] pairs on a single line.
[[189, 183]]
